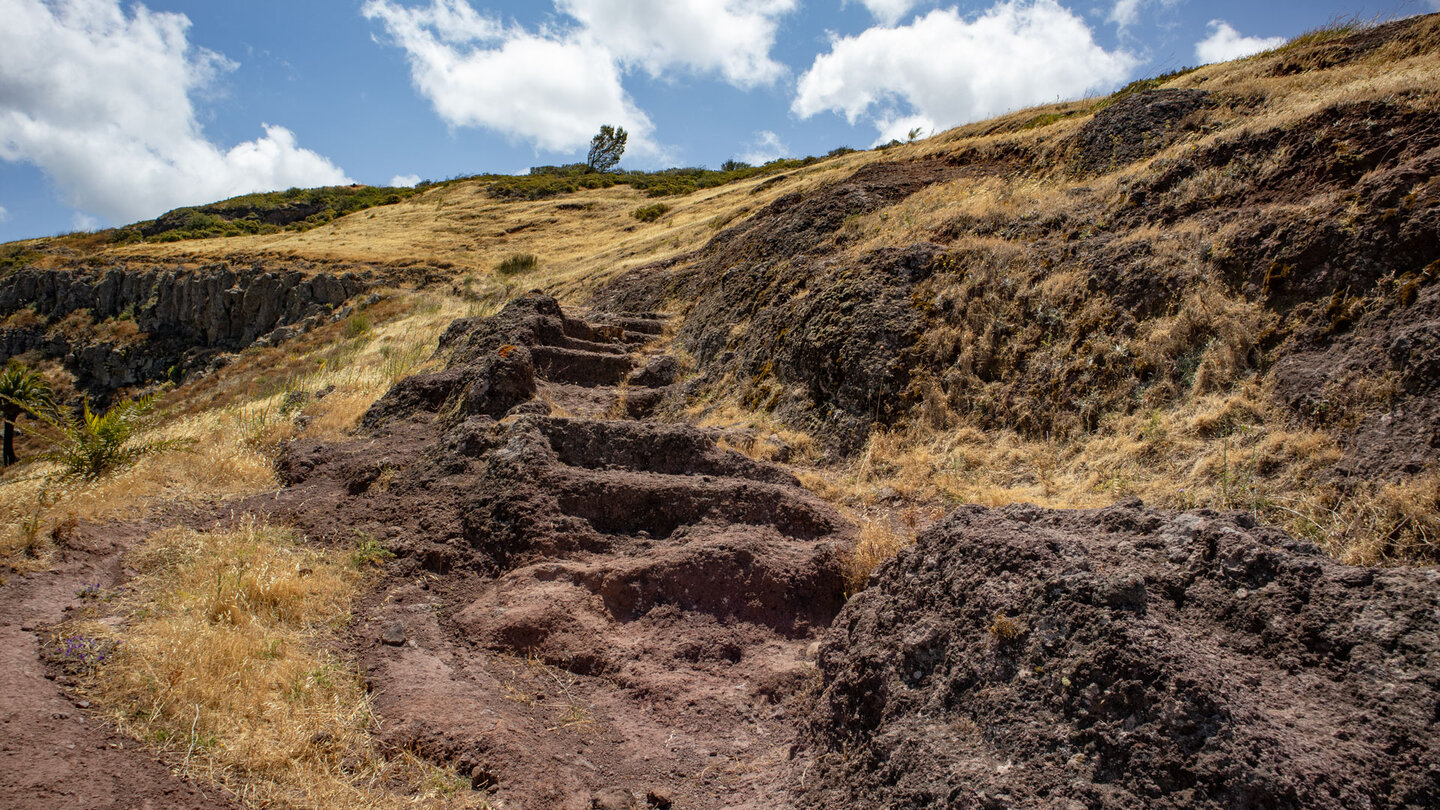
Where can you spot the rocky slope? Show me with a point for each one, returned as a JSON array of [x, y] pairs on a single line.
[[596, 604], [591, 610], [1307, 224]]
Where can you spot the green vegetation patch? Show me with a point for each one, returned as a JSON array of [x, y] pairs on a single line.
[[650, 213], [552, 181], [296, 209]]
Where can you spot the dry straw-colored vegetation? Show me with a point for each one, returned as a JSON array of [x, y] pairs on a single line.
[[580, 239], [221, 660]]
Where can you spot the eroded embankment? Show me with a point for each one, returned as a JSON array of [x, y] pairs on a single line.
[[1127, 657]]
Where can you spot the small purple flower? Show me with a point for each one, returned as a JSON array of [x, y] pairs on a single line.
[[79, 654]]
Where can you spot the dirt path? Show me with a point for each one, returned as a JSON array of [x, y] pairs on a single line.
[[54, 753], [589, 611]]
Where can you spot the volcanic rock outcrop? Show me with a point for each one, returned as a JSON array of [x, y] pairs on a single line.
[[181, 318], [1125, 657]]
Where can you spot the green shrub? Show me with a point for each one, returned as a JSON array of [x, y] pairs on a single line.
[[518, 263], [92, 445], [650, 213], [356, 325], [369, 552]]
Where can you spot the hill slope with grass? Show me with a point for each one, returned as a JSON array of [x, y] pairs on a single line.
[[608, 462]]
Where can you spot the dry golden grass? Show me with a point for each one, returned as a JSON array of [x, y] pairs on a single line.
[[876, 542], [580, 239], [1228, 450], [222, 464], [223, 665], [756, 434]]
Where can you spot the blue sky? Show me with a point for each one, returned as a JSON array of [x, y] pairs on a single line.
[[116, 111]]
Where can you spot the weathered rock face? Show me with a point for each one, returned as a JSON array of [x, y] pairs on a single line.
[[1135, 127], [184, 316], [1127, 657], [494, 362]]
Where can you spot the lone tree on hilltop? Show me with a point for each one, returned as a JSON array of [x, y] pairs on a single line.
[[606, 148], [22, 391]]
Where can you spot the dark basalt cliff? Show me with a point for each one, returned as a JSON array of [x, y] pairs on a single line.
[[182, 317]]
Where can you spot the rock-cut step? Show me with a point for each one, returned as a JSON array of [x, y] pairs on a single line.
[[503, 362], [587, 609], [560, 487]]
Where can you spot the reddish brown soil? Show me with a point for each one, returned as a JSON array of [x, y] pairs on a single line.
[[54, 753], [591, 612]]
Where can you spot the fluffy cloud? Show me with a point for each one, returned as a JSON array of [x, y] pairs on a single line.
[[889, 11], [766, 147], [1126, 13], [101, 102], [4, 215], [405, 180], [554, 86], [552, 89], [943, 69], [732, 38], [1225, 43]]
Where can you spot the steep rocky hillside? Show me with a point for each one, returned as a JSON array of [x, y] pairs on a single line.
[[1152, 378]]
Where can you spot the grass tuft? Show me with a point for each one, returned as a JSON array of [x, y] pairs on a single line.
[[518, 263]]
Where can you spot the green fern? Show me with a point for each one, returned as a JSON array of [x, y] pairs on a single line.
[[91, 445]]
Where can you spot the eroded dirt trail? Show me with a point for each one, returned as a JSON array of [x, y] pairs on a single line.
[[592, 607], [53, 753]]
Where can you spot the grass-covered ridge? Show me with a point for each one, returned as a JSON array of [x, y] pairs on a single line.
[[295, 209]]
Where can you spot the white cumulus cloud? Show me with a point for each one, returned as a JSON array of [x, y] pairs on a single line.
[[100, 100], [766, 147], [731, 38], [553, 89], [889, 11], [944, 69], [4, 215], [1225, 43]]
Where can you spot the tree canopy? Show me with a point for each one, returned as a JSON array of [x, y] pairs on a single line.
[[606, 148]]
